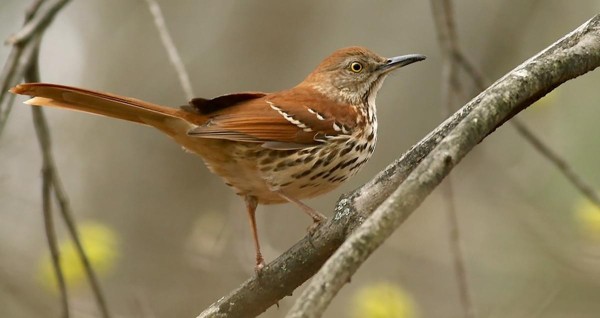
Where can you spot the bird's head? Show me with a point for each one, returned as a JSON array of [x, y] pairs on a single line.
[[354, 75]]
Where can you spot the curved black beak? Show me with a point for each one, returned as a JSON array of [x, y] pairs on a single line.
[[399, 61]]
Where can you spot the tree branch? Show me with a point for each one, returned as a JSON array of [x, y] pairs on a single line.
[[560, 163], [16, 64], [37, 22], [23, 64], [443, 15], [47, 171], [165, 37]]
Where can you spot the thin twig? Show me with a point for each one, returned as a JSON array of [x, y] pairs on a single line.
[[575, 54], [65, 209], [23, 63], [15, 66], [6, 80], [51, 178], [32, 9], [443, 15], [159, 21], [41, 130], [51, 181], [36, 22], [560, 163], [49, 223]]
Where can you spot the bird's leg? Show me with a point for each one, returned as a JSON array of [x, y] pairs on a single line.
[[251, 204], [317, 217]]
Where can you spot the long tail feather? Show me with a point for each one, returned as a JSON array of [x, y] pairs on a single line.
[[97, 103]]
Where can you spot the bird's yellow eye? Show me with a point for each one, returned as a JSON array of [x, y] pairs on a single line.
[[356, 67]]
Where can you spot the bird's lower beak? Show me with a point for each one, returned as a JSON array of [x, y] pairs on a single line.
[[399, 61]]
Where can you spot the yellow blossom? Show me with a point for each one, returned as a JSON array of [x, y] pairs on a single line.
[[100, 244], [588, 218], [383, 300]]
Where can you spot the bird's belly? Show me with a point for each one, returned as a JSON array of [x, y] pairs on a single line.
[[310, 172], [253, 170]]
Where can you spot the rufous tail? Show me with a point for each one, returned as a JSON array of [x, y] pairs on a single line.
[[110, 105]]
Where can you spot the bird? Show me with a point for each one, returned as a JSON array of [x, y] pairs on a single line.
[[270, 148]]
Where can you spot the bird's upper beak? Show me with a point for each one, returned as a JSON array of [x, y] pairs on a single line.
[[399, 61]]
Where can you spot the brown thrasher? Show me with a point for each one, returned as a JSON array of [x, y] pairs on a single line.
[[269, 147]]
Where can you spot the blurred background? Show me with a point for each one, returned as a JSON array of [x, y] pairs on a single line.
[[168, 238]]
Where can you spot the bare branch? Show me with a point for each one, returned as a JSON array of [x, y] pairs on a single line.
[[560, 163], [31, 11], [51, 180], [49, 227], [47, 171], [574, 55], [23, 64], [67, 215], [37, 22], [16, 64], [159, 21], [443, 15], [41, 130]]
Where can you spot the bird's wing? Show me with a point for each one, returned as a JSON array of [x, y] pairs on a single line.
[[291, 119]]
